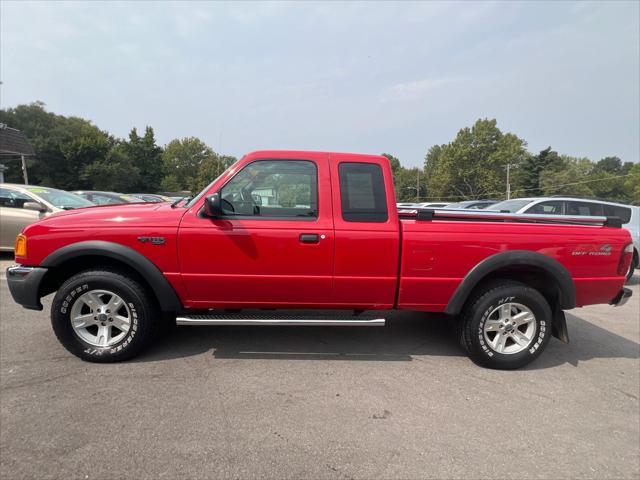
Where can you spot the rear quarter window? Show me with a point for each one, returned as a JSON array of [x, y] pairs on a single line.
[[621, 212], [584, 209], [362, 193]]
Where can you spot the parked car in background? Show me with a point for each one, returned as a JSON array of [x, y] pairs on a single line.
[[629, 215], [106, 198], [433, 205], [151, 197], [404, 205], [21, 205], [472, 204]]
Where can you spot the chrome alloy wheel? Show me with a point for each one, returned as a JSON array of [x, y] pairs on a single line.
[[510, 328], [101, 318]]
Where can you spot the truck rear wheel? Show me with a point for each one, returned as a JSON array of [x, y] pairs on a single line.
[[506, 325], [103, 316]]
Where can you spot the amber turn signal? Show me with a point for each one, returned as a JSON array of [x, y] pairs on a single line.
[[21, 246]]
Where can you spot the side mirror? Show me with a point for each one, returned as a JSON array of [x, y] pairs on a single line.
[[34, 206], [213, 206]]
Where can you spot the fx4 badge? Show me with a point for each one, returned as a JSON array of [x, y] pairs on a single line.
[[592, 250], [152, 240]]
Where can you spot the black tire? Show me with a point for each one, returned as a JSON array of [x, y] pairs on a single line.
[[633, 266], [140, 308], [478, 311]]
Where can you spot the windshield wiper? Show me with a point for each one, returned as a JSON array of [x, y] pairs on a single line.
[[177, 202]]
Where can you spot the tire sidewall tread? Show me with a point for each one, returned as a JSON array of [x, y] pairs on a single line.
[[140, 302], [486, 300]]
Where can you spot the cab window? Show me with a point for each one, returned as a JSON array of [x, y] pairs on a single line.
[[273, 189], [362, 193]]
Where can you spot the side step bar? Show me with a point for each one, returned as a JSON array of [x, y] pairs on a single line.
[[272, 318]]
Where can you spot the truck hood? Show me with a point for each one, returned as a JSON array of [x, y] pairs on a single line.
[[128, 214]]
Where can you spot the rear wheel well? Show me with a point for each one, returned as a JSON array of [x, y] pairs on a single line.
[[56, 276], [534, 277]]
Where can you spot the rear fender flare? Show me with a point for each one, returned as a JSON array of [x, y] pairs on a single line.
[[567, 289]]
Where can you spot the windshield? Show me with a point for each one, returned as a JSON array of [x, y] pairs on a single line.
[[510, 206], [202, 192], [60, 198]]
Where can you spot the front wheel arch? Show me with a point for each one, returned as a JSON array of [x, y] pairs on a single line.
[[73, 258]]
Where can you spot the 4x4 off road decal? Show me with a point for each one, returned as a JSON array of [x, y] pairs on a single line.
[[592, 250], [152, 240]]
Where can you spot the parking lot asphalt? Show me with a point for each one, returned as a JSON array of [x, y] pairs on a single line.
[[308, 402]]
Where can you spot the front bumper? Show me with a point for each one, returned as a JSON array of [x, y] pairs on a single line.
[[24, 285], [623, 296]]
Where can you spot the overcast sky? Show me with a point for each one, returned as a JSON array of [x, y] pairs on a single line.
[[364, 77]]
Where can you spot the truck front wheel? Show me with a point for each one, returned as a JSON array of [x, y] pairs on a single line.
[[506, 325], [103, 316]]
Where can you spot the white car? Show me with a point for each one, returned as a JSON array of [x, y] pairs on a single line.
[[630, 215], [433, 205]]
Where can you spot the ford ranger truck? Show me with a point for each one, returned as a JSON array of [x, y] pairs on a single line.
[[282, 237]]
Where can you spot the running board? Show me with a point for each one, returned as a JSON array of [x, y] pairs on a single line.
[[273, 318]]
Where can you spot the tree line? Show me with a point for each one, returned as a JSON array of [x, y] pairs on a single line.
[[72, 153]]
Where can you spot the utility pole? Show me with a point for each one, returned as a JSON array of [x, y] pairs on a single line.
[[418, 186], [24, 170], [508, 185]]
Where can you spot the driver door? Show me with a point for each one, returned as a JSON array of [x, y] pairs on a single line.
[[273, 247]]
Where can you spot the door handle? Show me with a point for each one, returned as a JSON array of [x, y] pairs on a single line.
[[309, 238]]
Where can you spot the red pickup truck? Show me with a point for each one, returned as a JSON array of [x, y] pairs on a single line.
[[283, 237]]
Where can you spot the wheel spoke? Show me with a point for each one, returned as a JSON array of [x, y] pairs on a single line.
[[83, 321], [121, 323], [505, 311], [103, 335], [522, 318], [92, 300], [499, 342], [520, 338], [115, 303], [492, 325]]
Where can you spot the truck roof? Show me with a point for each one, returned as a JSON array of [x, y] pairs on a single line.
[[308, 153]]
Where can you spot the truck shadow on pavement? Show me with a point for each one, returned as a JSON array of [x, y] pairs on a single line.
[[407, 336]]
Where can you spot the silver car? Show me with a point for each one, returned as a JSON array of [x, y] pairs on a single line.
[[629, 214], [21, 205]]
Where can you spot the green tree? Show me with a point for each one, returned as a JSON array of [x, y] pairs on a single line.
[[473, 165], [210, 169], [570, 176], [632, 184], [115, 173], [146, 156], [182, 159], [63, 145], [529, 176], [405, 181], [609, 179]]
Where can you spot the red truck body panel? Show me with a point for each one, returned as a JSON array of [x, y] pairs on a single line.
[[437, 255], [405, 264]]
